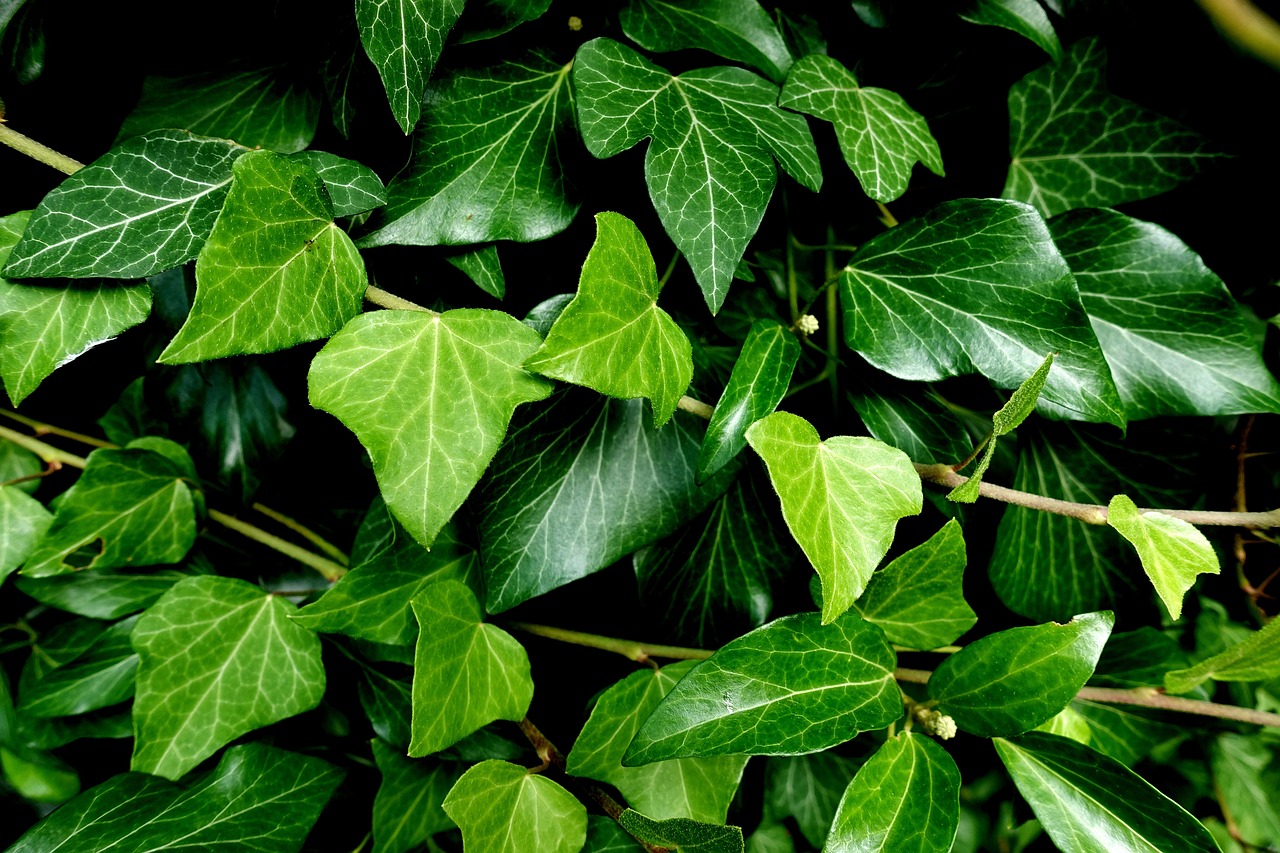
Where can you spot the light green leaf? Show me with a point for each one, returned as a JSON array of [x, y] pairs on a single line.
[[682, 834], [1257, 658], [1074, 144], [220, 658], [503, 808], [1027, 18], [271, 108], [101, 675], [1176, 340], [747, 698], [130, 507], [905, 798], [841, 498], [1012, 681], [756, 386], [977, 285], [23, 521], [579, 484], [918, 599], [695, 788], [100, 593], [740, 30], [613, 337], [771, 838], [146, 205], [1172, 551], [714, 134], [807, 788], [466, 674], [353, 187], [880, 136], [483, 267], [403, 39], [257, 798], [275, 272], [1068, 723], [487, 161], [1242, 774], [388, 569], [1093, 804], [407, 809], [429, 396]]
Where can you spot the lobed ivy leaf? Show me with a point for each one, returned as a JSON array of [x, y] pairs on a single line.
[[483, 267], [695, 788], [257, 798], [275, 272], [488, 161], [23, 521], [1256, 658], [682, 834], [404, 38], [905, 798], [1091, 803], [145, 206], [807, 788], [429, 396], [1172, 551], [100, 676], [1074, 144], [714, 134], [918, 599], [1012, 681], [746, 699], [880, 136], [352, 187], [977, 285], [503, 808], [1027, 18], [841, 498], [219, 658], [407, 809], [466, 674], [100, 593], [739, 30]]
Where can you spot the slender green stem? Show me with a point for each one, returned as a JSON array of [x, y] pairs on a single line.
[[695, 407], [326, 567], [386, 299], [671, 268], [49, 454], [833, 331], [37, 151], [885, 216], [793, 295], [40, 428], [630, 649], [305, 532], [940, 650], [1247, 26]]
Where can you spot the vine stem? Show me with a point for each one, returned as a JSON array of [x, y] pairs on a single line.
[[630, 649], [38, 151], [386, 299]]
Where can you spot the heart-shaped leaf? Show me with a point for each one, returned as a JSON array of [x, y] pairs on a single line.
[[503, 808], [1173, 552]]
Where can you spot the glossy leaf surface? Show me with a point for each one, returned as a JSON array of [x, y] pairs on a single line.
[[1027, 18], [1256, 658], [1172, 551], [682, 834], [408, 807], [353, 187], [101, 593], [23, 520], [807, 788], [404, 38], [483, 267], [101, 675], [740, 30], [503, 808], [913, 419]]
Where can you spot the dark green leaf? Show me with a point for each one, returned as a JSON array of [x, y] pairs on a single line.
[[486, 19], [604, 835], [407, 809], [503, 808], [740, 30], [100, 593], [353, 188], [1074, 144], [1257, 658], [1245, 778], [977, 286], [23, 521], [483, 267], [220, 658], [905, 798], [35, 775], [807, 788], [102, 675], [1012, 681], [257, 798], [747, 698], [682, 834], [1138, 659], [714, 134], [1027, 18], [18, 463], [1172, 551], [771, 838], [1090, 803], [404, 39], [388, 704], [912, 418], [110, 723], [1122, 732]]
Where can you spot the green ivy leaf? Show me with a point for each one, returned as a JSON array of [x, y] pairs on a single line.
[[466, 674], [1193, 356], [912, 418], [977, 285], [275, 272], [1172, 551], [487, 162], [714, 134], [100, 593], [771, 838], [1093, 804], [388, 703], [130, 507], [1012, 681], [219, 658], [1124, 733], [613, 337], [682, 834], [841, 498], [1074, 144], [52, 733], [807, 788], [408, 807], [756, 386], [580, 484], [1138, 659], [483, 267], [604, 835], [918, 599], [503, 808], [1256, 658], [270, 108], [1027, 18], [1242, 773], [18, 463], [740, 30], [101, 675], [880, 136], [747, 698], [488, 19], [403, 39], [695, 788], [257, 798], [23, 521], [906, 797], [429, 396], [125, 216], [353, 187]]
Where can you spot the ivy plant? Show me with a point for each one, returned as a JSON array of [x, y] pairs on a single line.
[[647, 425]]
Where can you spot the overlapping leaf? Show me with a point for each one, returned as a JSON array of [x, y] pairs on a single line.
[[488, 19], [807, 788], [740, 30], [403, 39], [913, 419], [1256, 658], [1027, 18], [683, 835], [1074, 144], [880, 136], [23, 521], [1173, 552], [407, 809], [353, 187], [613, 337], [1246, 782], [714, 134], [102, 675], [275, 272], [219, 658], [977, 285], [483, 267], [841, 498], [1123, 732], [487, 162], [430, 397], [503, 808], [100, 593]]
